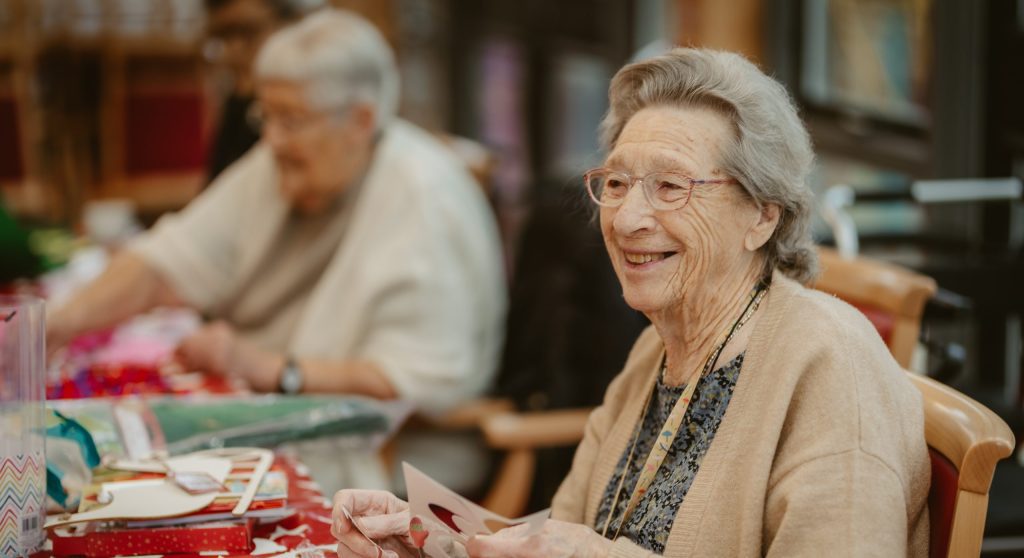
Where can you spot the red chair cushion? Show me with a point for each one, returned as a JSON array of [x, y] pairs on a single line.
[[941, 503], [883, 321]]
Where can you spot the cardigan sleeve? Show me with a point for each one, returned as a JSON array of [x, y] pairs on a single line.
[[845, 504], [847, 470]]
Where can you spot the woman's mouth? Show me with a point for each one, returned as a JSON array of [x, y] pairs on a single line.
[[646, 259]]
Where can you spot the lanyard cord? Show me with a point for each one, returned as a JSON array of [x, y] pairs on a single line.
[[670, 429]]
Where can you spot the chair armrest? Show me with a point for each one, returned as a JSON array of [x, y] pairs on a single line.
[[535, 429], [470, 415]]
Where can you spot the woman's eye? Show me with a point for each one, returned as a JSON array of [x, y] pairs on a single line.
[[614, 184], [670, 191]]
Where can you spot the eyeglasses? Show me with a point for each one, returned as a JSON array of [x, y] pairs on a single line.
[[665, 191], [290, 124]]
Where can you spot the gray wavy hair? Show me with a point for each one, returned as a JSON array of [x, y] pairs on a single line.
[[341, 56], [770, 156]]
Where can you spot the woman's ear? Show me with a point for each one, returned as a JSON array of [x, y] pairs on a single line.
[[761, 231]]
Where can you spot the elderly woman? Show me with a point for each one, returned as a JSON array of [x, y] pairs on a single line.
[[348, 252], [755, 416]]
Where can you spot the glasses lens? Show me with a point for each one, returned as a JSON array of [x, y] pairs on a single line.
[[668, 191], [608, 188]]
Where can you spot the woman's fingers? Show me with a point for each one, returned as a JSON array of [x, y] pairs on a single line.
[[508, 542], [368, 502], [382, 526], [515, 531], [363, 517], [558, 540], [492, 546], [349, 546]]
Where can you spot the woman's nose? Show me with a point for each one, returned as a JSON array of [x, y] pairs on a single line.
[[635, 213]]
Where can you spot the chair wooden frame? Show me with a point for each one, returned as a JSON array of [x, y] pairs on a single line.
[[974, 439], [895, 290]]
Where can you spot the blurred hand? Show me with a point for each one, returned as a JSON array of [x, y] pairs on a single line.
[[382, 517], [216, 349], [559, 539], [212, 348]]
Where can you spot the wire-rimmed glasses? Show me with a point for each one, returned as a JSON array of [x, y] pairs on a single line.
[[665, 191]]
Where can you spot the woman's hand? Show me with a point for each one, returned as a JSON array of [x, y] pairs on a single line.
[[217, 349], [210, 348], [558, 539], [381, 516]]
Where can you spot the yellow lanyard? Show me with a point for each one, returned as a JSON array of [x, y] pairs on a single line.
[[669, 431]]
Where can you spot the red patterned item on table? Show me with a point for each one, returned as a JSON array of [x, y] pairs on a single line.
[[309, 524], [229, 537]]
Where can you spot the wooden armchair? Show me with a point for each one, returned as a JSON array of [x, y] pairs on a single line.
[[965, 440]]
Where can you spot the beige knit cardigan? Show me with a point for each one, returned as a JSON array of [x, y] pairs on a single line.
[[821, 451]]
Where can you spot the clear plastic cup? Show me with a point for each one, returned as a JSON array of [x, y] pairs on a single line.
[[22, 425]]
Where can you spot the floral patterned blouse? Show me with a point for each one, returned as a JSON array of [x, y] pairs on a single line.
[[655, 513]]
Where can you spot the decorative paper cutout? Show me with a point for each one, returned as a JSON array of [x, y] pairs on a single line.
[[153, 498], [440, 508]]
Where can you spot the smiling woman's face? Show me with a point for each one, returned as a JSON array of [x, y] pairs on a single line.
[[661, 255]]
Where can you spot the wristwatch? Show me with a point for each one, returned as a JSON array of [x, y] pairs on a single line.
[[291, 377]]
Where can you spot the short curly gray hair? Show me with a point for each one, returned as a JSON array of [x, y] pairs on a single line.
[[770, 156]]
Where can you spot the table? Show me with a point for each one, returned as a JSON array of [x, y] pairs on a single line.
[[96, 373]]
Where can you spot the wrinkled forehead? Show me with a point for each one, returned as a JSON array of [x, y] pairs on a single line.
[[645, 160], [668, 138]]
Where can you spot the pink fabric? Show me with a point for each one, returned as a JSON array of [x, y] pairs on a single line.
[[136, 351]]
